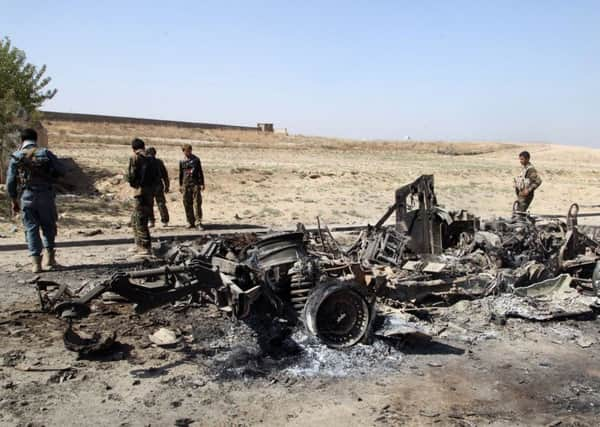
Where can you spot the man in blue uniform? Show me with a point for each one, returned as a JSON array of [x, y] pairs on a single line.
[[31, 173]]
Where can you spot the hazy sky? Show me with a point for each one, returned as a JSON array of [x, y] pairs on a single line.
[[452, 70]]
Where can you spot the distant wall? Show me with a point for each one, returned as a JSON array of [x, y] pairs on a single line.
[[98, 118]]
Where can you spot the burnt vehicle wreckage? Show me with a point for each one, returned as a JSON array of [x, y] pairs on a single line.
[[538, 268]]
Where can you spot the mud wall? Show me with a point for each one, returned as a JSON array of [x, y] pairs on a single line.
[[98, 118]]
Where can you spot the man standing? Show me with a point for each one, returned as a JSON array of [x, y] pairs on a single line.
[[191, 185], [159, 192], [526, 183], [143, 176], [31, 172]]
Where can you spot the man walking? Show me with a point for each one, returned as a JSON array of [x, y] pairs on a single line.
[[143, 176], [31, 173], [191, 185], [159, 192], [526, 183]]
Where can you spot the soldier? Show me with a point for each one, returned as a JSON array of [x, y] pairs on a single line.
[[159, 192], [191, 185], [143, 175], [526, 183], [31, 173]]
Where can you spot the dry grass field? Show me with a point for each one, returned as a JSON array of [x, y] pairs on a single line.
[[474, 372], [278, 180]]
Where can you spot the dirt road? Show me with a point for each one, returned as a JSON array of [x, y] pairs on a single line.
[[474, 373]]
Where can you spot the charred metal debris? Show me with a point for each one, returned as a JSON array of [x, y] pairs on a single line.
[[534, 268]]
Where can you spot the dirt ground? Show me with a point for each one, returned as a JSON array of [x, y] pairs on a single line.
[[277, 180], [474, 372]]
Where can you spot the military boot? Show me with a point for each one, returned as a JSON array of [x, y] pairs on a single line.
[[50, 263], [36, 264], [141, 253]]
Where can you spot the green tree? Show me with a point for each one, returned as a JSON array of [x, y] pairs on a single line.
[[23, 89]]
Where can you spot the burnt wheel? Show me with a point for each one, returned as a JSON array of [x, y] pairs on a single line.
[[337, 313]]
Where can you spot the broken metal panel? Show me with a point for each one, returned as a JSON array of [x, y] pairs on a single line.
[[559, 285], [420, 224], [537, 309]]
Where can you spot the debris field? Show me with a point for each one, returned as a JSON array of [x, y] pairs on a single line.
[[382, 285], [309, 304]]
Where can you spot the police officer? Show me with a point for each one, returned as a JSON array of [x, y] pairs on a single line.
[[191, 185], [31, 172], [143, 176], [159, 192], [526, 183]]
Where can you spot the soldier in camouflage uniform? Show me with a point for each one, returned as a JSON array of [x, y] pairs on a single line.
[[191, 185], [159, 192], [143, 176], [526, 183]]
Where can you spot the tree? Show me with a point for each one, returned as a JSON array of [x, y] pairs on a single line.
[[23, 89]]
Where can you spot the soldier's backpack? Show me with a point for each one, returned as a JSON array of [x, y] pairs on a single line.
[[149, 172], [34, 167]]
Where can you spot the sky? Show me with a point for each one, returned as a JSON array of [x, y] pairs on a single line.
[[525, 71]]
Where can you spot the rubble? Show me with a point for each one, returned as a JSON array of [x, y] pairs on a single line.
[[528, 267], [88, 345]]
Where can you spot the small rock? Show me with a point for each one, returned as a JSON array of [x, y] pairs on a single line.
[[164, 337], [585, 342], [435, 364], [201, 383]]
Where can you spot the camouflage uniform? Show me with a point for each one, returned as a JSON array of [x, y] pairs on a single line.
[[527, 179], [159, 194], [143, 197], [191, 178]]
